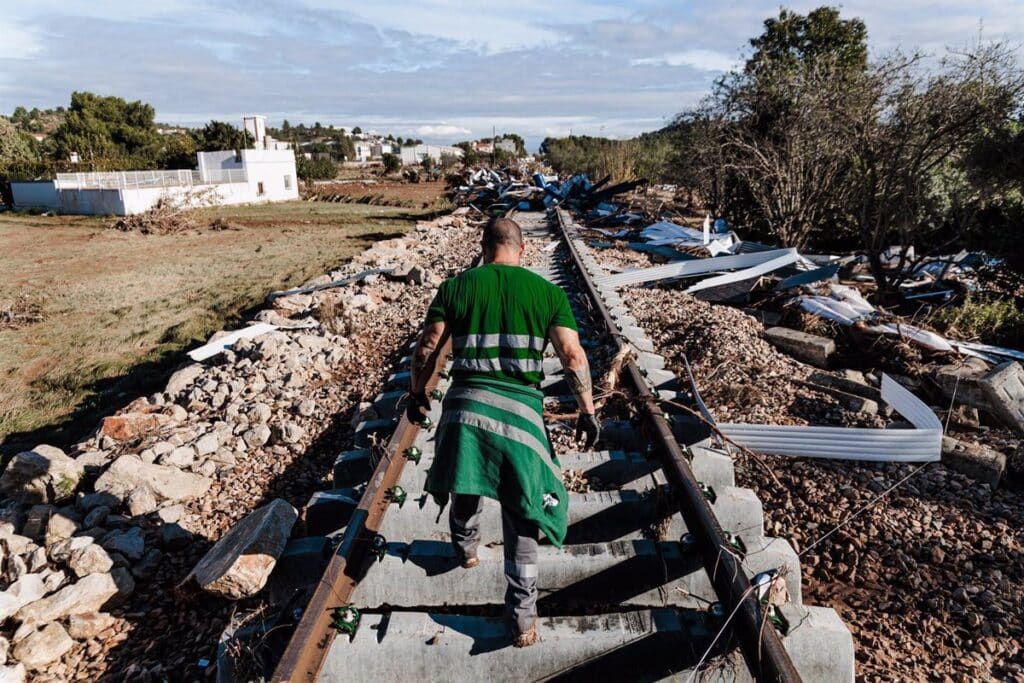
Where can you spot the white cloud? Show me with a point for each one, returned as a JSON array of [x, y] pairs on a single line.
[[487, 27], [702, 60], [443, 130], [18, 42]]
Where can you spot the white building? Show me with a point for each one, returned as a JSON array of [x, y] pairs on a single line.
[[263, 174], [416, 154]]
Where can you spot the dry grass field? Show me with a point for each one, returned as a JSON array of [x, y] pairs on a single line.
[[91, 317]]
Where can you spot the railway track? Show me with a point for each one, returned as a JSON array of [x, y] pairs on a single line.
[[665, 574]]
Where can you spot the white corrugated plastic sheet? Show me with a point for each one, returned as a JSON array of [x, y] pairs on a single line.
[[747, 273], [693, 268], [211, 349], [921, 444]]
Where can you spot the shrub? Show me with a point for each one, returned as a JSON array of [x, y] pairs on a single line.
[[995, 321]]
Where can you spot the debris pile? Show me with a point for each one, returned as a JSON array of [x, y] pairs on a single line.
[[824, 298], [929, 576], [502, 191], [168, 215], [95, 540]]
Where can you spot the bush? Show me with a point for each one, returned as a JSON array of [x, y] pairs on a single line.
[[391, 163], [994, 321], [315, 169]]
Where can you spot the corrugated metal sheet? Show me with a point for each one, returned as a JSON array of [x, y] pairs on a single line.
[[921, 444], [692, 268], [746, 273]]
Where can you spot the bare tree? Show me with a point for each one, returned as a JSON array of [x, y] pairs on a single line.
[[788, 144], [910, 120]]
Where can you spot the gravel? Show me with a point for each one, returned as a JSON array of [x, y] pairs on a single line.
[[265, 421], [930, 579]]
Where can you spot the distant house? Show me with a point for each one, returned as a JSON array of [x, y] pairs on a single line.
[[507, 145], [483, 147], [416, 154], [265, 173], [373, 149]]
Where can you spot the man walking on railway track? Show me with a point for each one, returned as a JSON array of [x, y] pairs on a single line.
[[491, 440]]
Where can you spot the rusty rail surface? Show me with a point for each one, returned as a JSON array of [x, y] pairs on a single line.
[[308, 647], [762, 647]]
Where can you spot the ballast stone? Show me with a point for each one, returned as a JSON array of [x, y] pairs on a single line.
[[44, 474], [169, 483], [44, 646], [88, 595], [237, 566]]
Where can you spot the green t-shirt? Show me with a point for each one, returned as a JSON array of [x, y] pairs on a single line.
[[499, 318]]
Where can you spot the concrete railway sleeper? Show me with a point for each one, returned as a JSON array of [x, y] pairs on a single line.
[[654, 580]]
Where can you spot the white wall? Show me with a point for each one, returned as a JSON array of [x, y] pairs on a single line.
[[91, 202], [35, 195], [415, 155], [275, 169], [217, 161]]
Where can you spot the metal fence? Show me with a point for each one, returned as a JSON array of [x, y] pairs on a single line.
[[125, 180]]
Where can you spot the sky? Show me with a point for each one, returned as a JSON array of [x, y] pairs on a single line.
[[440, 70]]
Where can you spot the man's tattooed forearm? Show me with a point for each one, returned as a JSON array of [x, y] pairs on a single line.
[[579, 380]]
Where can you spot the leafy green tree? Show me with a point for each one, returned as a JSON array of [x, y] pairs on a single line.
[[108, 133], [357, 131], [179, 151], [15, 148], [470, 157], [792, 40], [21, 118], [314, 169], [391, 163], [344, 148], [217, 136]]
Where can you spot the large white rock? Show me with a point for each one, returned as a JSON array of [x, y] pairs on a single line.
[[12, 674], [168, 483], [92, 559], [181, 379], [43, 647], [88, 595], [27, 589], [237, 566], [62, 550], [42, 475]]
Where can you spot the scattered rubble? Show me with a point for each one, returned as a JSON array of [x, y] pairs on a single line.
[[95, 539], [929, 578]]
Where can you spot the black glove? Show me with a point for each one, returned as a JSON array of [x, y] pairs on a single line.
[[588, 426], [418, 407]]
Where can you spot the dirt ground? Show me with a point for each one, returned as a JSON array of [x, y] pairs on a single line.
[[385, 192], [111, 311]]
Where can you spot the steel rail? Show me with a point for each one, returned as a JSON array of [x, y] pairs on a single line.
[[762, 648], [311, 641]]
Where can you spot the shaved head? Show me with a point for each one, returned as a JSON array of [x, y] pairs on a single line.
[[501, 233]]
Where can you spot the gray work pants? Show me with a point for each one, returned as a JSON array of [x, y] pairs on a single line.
[[520, 538]]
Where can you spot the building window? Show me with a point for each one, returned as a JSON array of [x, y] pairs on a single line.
[[259, 189], [287, 182]]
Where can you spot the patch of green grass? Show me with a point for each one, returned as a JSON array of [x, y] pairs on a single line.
[[120, 308], [993, 321]]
